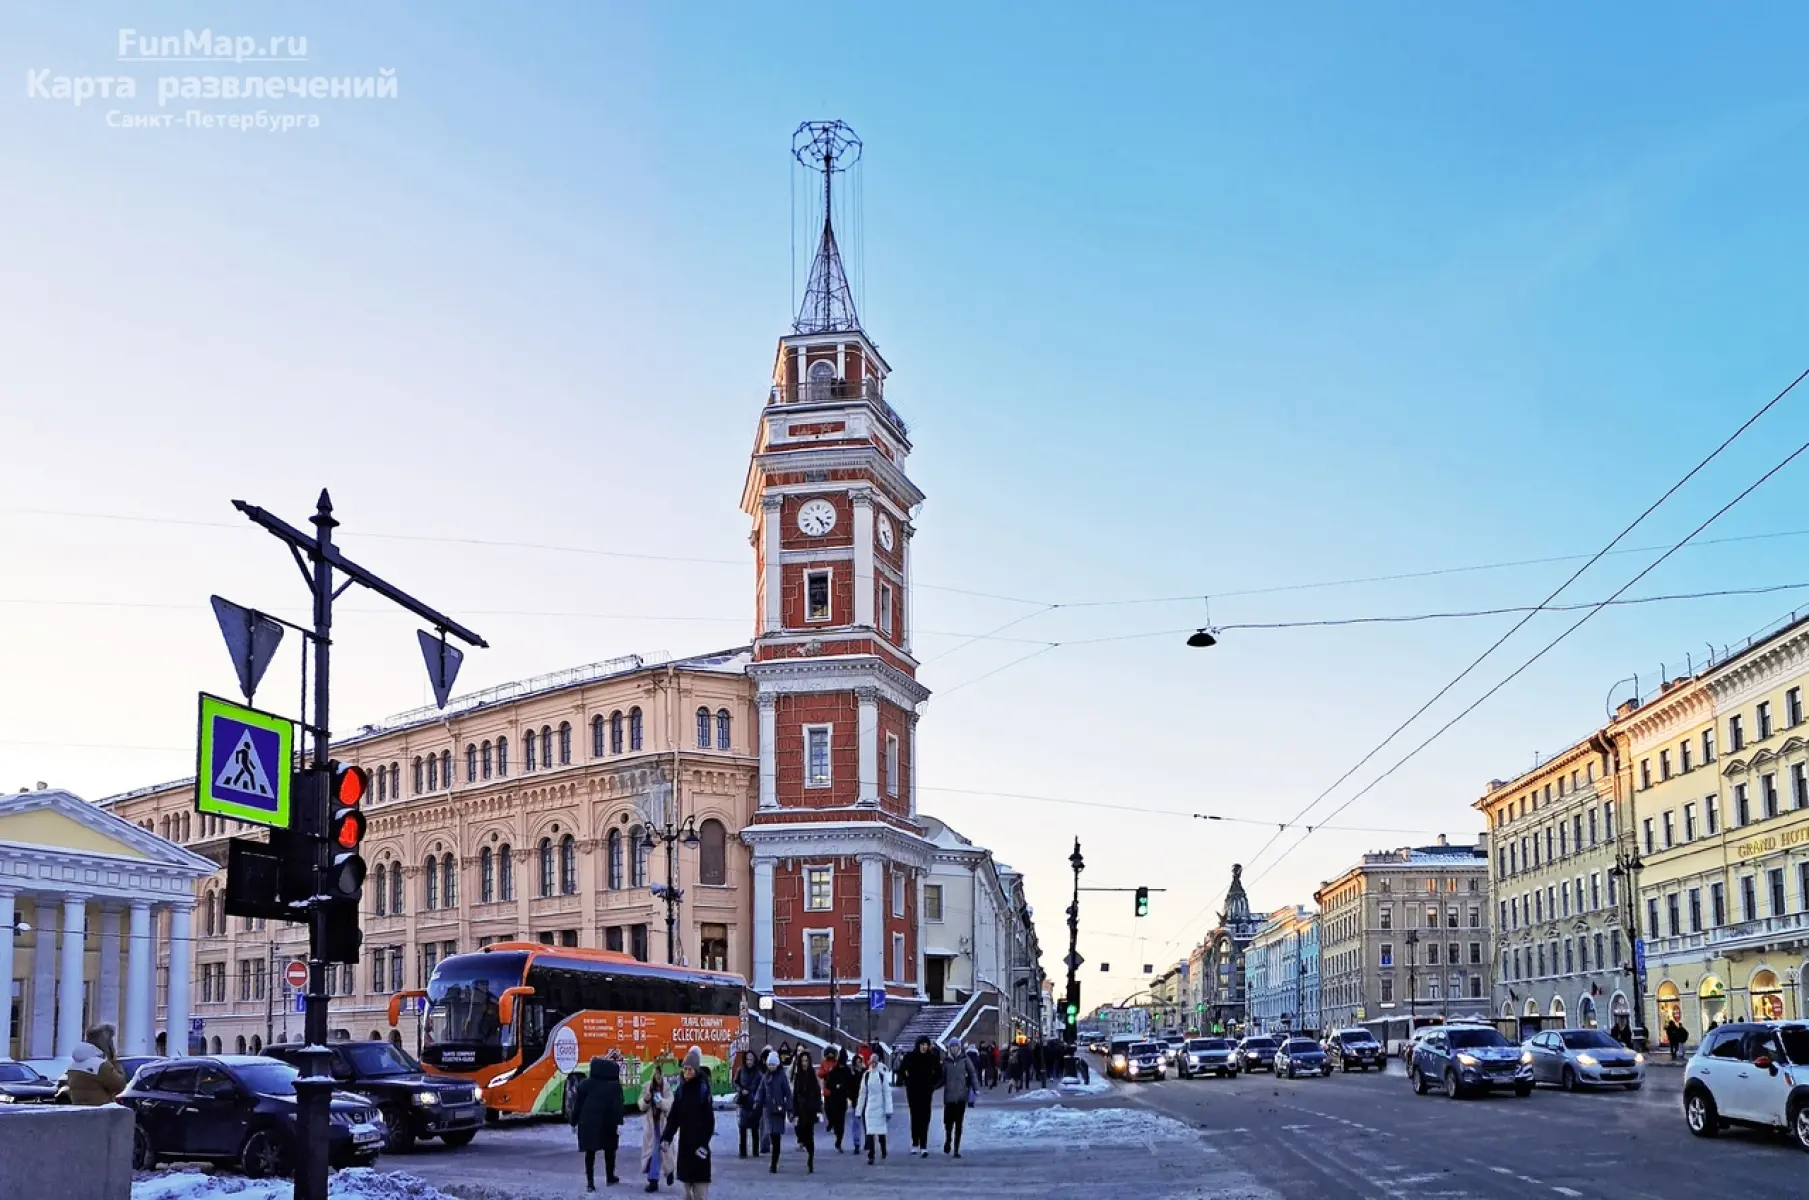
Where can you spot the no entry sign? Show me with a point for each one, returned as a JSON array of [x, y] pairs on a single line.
[[296, 974]]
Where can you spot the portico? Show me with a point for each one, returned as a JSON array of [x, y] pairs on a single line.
[[83, 894]]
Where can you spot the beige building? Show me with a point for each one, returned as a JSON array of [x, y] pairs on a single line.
[[518, 812], [1406, 933]]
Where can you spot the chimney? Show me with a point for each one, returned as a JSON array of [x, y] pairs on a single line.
[[1442, 840], [1627, 706], [1495, 785], [42, 786]]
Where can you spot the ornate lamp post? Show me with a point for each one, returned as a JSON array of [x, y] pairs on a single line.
[[1413, 991], [671, 836]]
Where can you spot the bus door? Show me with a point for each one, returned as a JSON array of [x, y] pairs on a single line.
[[530, 1018]]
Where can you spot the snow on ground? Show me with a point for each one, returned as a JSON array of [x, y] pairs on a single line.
[[1094, 1086], [357, 1183], [1078, 1128], [557, 1135]]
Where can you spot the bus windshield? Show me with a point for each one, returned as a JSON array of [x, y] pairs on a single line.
[[463, 995]]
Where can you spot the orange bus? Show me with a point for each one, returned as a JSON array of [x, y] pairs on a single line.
[[518, 1018]]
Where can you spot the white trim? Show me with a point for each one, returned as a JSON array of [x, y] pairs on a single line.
[[823, 554], [891, 764], [809, 977], [834, 673], [828, 731], [828, 617], [804, 874]]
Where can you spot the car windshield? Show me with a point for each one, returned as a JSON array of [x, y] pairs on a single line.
[[14, 1072], [1588, 1039], [1199, 1044], [1296, 1045], [1259, 1043], [374, 1060], [463, 996], [1352, 1036], [1146, 1048], [270, 1078], [1475, 1039]]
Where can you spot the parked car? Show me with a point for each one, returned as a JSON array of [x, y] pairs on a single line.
[[1353, 1049], [1144, 1061], [21, 1084], [1257, 1053], [1573, 1058], [128, 1064], [1468, 1058], [1208, 1056], [1742, 1075], [414, 1104], [1301, 1056], [239, 1109], [1171, 1047]]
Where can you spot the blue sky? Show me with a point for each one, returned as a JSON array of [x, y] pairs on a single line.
[[1180, 303]]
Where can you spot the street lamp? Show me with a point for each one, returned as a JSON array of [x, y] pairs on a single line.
[[1413, 992], [1626, 868], [1199, 639], [671, 836]]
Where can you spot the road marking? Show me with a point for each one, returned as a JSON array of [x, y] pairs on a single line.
[[1501, 1170], [1564, 1191]]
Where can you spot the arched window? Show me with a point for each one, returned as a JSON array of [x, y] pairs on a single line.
[[637, 875], [712, 853], [634, 728], [382, 783], [433, 772], [163, 828], [420, 768], [446, 767], [185, 827], [507, 888], [615, 732], [486, 863], [546, 866], [449, 882], [215, 1044], [239, 1044], [502, 756], [565, 743], [395, 781], [380, 889], [257, 1044], [431, 885], [395, 890], [484, 752], [546, 747], [207, 913], [614, 878], [703, 729], [724, 727], [530, 748], [596, 737], [471, 763], [568, 865]]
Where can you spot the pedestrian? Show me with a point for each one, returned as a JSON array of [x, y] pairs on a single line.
[[692, 1122], [1621, 1032], [857, 1067], [785, 1053], [921, 1075], [597, 1116], [772, 1104], [657, 1103], [873, 1104], [747, 1082], [839, 1091], [806, 1106], [960, 1084], [95, 1076]]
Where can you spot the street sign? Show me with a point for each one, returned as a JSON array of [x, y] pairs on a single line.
[[301, 1002], [1073, 960], [296, 973], [251, 639], [1639, 955], [443, 663], [876, 999], [243, 765], [196, 1024]]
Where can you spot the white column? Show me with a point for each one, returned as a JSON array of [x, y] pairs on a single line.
[[69, 983], [863, 557], [911, 767], [768, 704], [140, 960], [182, 959], [8, 914], [873, 919], [763, 924], [106, 996], [41, 1041], [867, 730], [917, 935], [772, 571], [907, 587]]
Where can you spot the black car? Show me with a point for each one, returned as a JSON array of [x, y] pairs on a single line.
[[1301, 1056], [128, 1064], [1257, 1053], [20, 1084], [1353, 1050], [414, 1104], [238, 1109]]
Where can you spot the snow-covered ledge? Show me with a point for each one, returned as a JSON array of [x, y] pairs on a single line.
[[60, 1152]]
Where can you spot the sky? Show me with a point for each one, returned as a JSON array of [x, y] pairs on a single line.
[[1187, 309]]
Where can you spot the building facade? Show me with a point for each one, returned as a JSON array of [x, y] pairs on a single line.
[[1283, 971], [518, 812], [1561, 955], [1224, 980], [978, 935], [1406, 933]]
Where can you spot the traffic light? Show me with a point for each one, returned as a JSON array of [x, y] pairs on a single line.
[[1143, 902], [347, 788]]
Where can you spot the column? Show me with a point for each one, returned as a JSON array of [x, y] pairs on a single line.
[[106, 997], [772, 570], [182, 959], [863, 557], [8, 914], [907, 625], [867, 730], [911, 768], [69, 982], [917, 878], [873, 919], [768, 705], [139, 962], [762, 977], [40, 1041]]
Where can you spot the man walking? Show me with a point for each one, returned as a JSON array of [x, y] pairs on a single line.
[[921, 1074]]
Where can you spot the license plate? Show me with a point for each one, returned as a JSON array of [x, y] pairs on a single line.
[[361, 1134]]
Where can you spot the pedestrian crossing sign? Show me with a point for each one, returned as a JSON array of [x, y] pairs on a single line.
[[243, 765]]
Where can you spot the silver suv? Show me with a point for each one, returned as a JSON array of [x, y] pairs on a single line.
[[1754, 1074]]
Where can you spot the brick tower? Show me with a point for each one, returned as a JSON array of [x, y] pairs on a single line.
[[838, 854]]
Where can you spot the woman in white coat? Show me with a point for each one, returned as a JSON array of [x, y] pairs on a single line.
[[874, 1103], [657, 1104]]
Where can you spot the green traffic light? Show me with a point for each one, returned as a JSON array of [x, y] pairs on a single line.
[[1143, 902]]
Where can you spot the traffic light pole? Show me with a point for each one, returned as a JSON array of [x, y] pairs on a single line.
[[1071, 998]]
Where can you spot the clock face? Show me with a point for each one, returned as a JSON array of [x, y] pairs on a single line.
[[816, 518], [885, 531]]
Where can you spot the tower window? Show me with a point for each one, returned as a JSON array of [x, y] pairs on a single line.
[[885, 609], [816, 756], [891, 764], [816, 595], [818, 889]]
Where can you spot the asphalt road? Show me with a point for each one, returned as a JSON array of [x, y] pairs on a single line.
[[1367, 1136]]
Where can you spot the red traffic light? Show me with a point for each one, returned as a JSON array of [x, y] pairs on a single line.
[[348, 830], [350, 784]]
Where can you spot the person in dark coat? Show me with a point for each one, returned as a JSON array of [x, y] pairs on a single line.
[[747, 1082], [772, 1105], [692, 1122], [597, 1116], [839, 1090], [806, 1106], [921, 1074], [960, 1080]]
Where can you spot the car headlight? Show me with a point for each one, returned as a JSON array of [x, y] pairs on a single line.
[[477, 1093], [1117, 1060], [1526, 1056], [1639, 1059], [1586, 1060], [1468, 1060], [6, 1097], [427, 1098]]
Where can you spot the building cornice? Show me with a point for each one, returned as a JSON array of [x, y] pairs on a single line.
[[1759, 669], [838, 840], [798, 676]]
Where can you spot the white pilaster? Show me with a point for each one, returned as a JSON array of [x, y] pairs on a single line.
[[140, 958], [7, 915], [41, 1040], [69, 977], [873, 919], [905, 584], [763, 924], [867, 730], [106, 998], [182, 958], [863, 557], [911, 767], [772, 571], [917, 935], [768, 705]]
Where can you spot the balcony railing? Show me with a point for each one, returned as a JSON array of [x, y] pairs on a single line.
[[1739, 933], [831, 391]]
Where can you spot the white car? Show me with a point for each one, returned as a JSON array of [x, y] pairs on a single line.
[[1754, 1074]]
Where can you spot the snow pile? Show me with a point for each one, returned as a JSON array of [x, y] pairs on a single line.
[[1040, 1096], [1079, 1128], [358, 1183], [1095, 1086]]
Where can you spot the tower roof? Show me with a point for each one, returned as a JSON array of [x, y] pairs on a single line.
[[828, 305]]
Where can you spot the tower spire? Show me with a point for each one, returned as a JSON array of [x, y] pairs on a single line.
[[828, 305]]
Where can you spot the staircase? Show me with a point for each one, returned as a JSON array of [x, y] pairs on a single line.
[[930, 1022]]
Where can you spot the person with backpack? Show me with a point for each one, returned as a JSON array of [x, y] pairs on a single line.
[[873, 1106], [772, 1105], [839, 1091]]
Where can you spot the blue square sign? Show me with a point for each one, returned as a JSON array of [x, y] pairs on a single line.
[[244, 763]]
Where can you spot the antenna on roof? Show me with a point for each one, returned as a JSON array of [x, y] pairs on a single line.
[[828, 148]]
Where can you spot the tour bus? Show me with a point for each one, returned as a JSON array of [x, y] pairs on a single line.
[[518, 1018]]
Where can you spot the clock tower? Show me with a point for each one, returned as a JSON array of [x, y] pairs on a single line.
[[839, 857]]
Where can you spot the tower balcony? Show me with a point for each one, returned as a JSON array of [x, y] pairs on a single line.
[[839, 391]]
